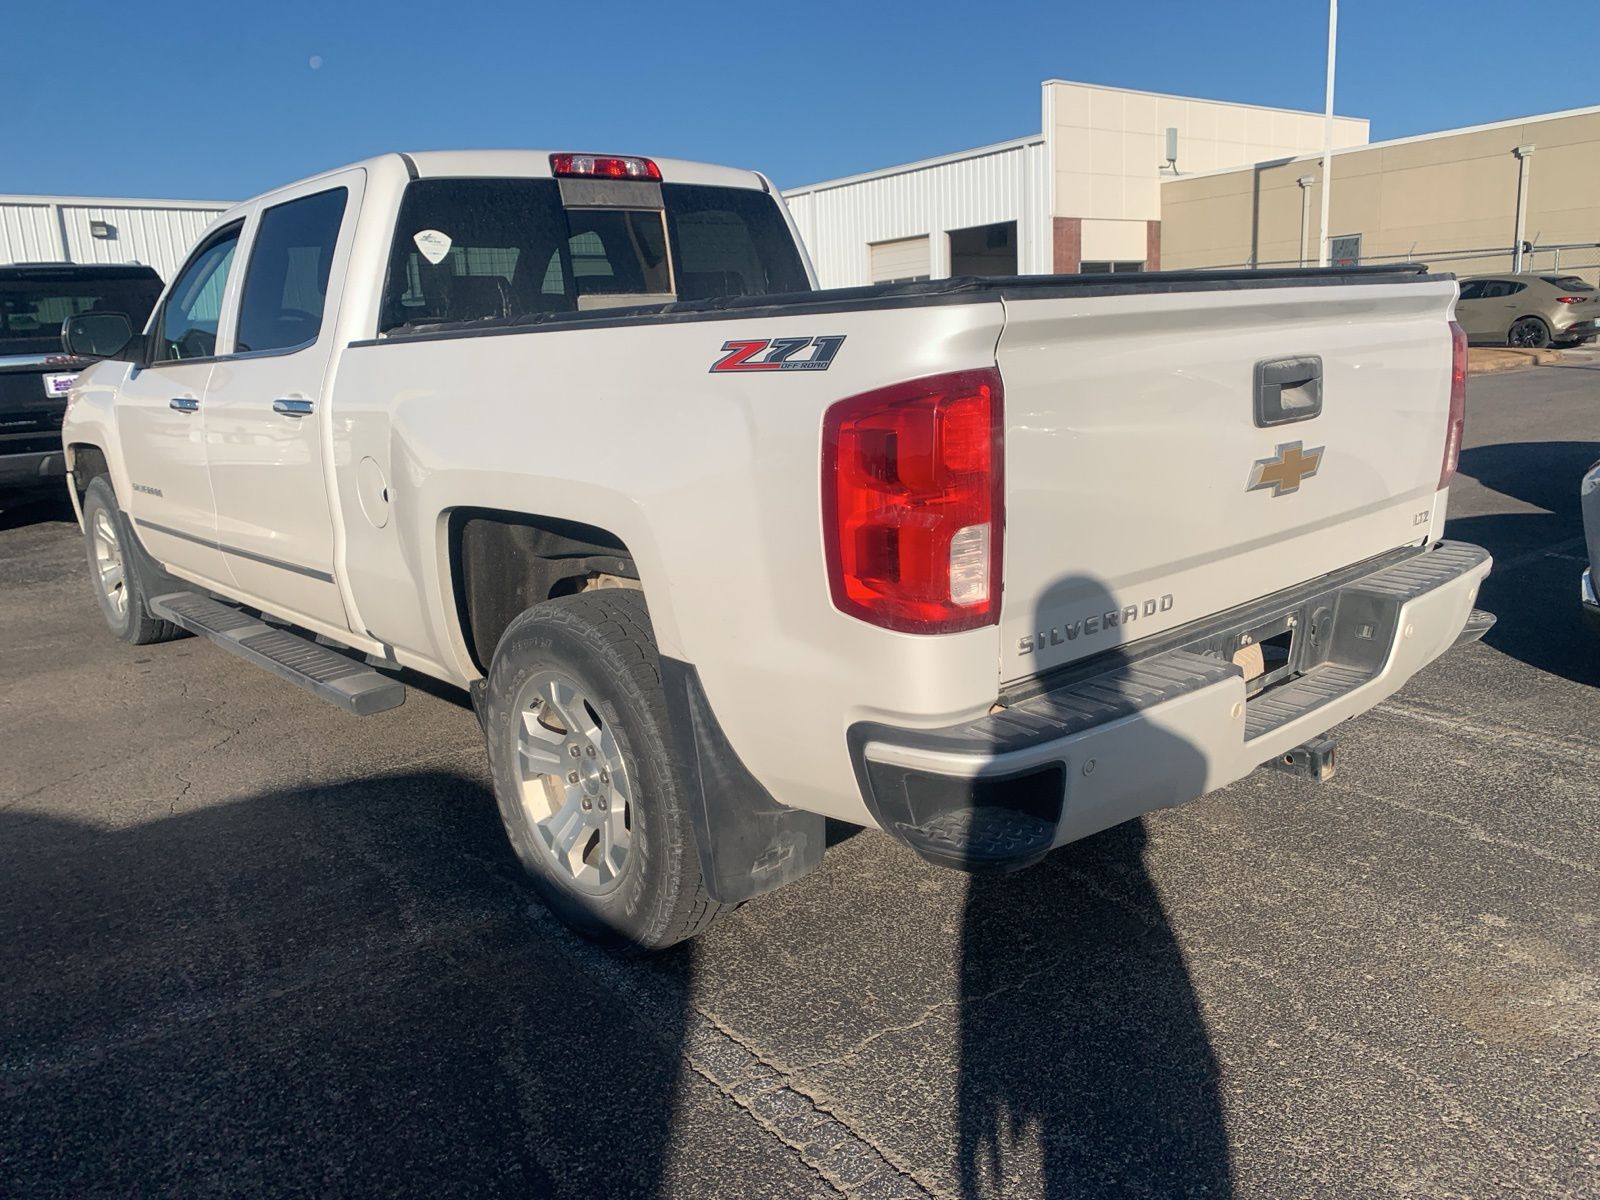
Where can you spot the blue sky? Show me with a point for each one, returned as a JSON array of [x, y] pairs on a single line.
[[195, 101]]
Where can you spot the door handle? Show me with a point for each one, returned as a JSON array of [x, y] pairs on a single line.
[[184, 404], [293, 408]]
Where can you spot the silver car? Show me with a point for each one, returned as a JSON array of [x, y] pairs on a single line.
[[1528, 310]]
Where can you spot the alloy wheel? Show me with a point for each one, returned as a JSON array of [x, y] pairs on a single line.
[[109, 573], [574, 783]]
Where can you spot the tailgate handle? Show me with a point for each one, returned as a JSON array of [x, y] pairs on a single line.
[[1288, 389]]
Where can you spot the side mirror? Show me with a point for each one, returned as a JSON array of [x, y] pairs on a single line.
[[97, 335]]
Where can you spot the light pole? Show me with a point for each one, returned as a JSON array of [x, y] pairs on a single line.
[[1327, 134], [1523, 153], [1305, 182]]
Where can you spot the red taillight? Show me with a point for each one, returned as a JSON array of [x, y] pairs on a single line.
[[1458, 403], [603, 166], [913, 507], [1569, 299]]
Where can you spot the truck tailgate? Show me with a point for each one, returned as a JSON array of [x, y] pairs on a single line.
[[1144, 491]]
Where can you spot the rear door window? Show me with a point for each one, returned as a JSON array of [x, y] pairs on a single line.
[[286, 285], [1472, 289], [475, 249]]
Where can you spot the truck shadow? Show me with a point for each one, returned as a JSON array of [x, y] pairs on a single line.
[[328, 991], [1085, 1065], [1545, 474], [1533, 588], [35, 507]]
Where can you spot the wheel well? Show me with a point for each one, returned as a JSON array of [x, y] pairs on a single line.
[[88, 461], [502, 563]]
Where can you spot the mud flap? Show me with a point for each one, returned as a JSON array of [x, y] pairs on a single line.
[[748, 842]]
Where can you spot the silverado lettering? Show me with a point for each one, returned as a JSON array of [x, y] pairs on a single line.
[[1057, 634]]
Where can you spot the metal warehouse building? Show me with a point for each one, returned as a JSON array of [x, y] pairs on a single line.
[[1121, 180], [1463, 200], [157, 233], [1084, 194]]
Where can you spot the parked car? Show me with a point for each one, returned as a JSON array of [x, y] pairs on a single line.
[[35, 376], [1528, 310], [989, 566], [1589, 499]]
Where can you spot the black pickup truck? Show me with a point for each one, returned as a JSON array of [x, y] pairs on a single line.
[[35, 374]]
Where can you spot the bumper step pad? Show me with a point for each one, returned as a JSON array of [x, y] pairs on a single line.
[[337, 678], [1385, 592]]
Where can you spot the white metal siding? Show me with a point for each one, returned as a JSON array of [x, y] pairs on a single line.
[[29, 233], [904, 259], [839, 221], [157, 233]]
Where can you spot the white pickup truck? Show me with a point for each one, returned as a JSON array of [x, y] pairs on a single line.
[[989, 565]]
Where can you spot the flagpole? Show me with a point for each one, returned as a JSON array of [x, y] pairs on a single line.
[[1327, 134]]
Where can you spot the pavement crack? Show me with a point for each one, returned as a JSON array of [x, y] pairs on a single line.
[[1472, 829], [849, 1162], [1043, 968], [54, 783], [1496, 733], [1553, 550], [1451, 1109]]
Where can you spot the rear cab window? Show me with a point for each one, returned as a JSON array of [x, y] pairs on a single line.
[[477, 249]]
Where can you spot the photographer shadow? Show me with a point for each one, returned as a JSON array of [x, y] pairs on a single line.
[[1086, 1068]]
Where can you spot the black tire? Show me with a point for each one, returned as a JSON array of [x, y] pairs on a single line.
[[602, 642], [129, 619], [1528, 333]]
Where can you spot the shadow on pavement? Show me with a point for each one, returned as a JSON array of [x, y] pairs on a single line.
[[329, 991], [1542, 473], [1538, 618], [35, 507], [1533, 589], [1085, 1065]]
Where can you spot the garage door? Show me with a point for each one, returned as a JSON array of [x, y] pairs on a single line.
[[896, 262]]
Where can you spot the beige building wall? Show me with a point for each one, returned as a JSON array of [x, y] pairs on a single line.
[[1421, 198], [1108, 152]]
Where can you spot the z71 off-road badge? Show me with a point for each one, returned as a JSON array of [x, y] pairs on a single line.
[[777, 354]]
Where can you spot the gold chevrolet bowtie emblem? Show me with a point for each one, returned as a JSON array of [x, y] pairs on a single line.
[[1285, 469]]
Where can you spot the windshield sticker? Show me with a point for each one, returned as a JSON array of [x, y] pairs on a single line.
[[433, 244]]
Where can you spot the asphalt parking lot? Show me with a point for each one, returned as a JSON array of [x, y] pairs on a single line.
[[254, 946]]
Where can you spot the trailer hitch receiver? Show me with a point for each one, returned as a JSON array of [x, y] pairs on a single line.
[[1312, 760]]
